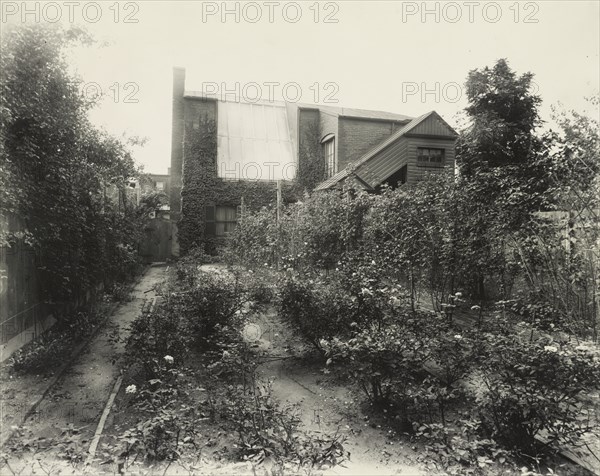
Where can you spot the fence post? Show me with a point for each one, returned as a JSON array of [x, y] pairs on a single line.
[[277, 250]]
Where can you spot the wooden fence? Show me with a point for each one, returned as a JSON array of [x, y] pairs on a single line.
[[23, 314]]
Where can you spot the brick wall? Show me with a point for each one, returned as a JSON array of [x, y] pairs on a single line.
[[358, 136]]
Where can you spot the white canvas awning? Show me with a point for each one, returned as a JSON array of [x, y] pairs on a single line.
[[254, 142]]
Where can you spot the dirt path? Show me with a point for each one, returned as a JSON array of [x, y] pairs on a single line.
[[327, 405], [65, 421]]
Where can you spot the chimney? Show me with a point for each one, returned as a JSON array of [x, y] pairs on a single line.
[[177, 127]]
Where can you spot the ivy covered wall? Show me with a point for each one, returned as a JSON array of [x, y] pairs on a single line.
[[202, 188]]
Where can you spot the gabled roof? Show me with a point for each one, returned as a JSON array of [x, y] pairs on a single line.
[[355, 166]]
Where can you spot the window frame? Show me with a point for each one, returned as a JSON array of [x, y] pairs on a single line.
[[429, 162], [328, 144], [227, 225]]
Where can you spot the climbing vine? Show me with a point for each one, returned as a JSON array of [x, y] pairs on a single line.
[[64, 182], [202, 187], [311, 163]]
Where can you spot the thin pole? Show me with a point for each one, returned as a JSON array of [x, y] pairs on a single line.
[[277, 250], [278, 202]]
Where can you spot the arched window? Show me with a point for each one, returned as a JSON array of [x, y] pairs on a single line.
[[328, 143]]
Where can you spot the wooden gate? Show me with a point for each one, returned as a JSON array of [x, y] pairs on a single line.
[[156, 242]]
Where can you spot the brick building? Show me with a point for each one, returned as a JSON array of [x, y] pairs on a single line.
[[306, 147]]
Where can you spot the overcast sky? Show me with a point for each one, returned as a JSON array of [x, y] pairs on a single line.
[[404, 57]]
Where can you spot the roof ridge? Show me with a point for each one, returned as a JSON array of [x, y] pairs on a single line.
[[327, 108], [354, 165]]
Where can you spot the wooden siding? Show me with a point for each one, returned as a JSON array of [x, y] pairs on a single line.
[[418, 172], [385, 162], [433, 126]]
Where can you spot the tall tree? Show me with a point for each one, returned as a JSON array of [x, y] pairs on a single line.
[[54, 165], [498, 158]]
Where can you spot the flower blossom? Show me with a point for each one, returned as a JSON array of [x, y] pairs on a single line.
[[168, 359], [550, 348], [131, 389]]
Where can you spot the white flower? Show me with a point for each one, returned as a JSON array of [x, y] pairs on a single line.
[[458, 336], [168, 359], [373, 262], [131, 389], [551, 348], [225, 354]]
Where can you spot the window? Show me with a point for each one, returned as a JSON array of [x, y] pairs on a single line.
[[160, 185], [429, 157], [329, 153], [226, 219], [220, 220]]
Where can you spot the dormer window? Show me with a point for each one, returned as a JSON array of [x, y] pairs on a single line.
[[328, 143], [430, 157]]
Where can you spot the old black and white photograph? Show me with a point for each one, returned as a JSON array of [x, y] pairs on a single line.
[[300, 238]]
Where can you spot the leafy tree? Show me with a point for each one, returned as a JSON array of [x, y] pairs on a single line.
[[503, 114], [500, 174], [56, 168]]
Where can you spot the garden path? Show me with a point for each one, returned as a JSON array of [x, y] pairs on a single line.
[[326, 404], [65, 420]]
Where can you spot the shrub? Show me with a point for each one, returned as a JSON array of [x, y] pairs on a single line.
[[385, 357], [155, 334], [52, 348], [460, 448], [534, 388], [267, 430], [42, 354], [214, 305], [315, 309], [166, 423], [196, 310]]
